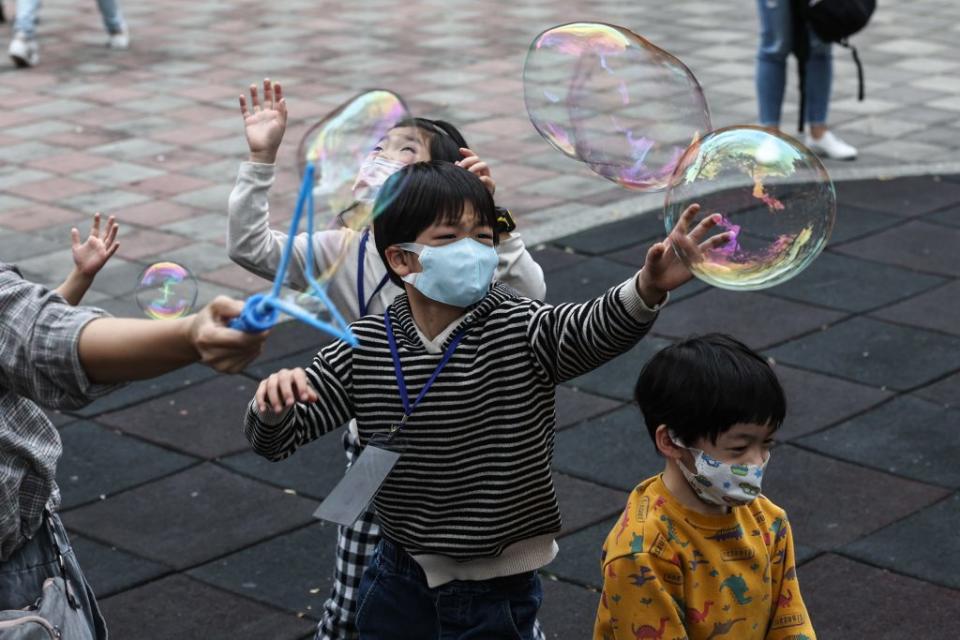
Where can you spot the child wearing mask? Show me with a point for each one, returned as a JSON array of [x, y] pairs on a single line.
[[699, 552]]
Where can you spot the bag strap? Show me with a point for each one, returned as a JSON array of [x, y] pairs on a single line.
[[856, 60], [60, 547]]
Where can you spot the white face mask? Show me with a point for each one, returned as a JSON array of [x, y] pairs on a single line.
[[722, 483]]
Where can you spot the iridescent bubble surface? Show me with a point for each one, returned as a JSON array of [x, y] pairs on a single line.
[[772, 194], [349, 175], [166, 290], [604, 95]]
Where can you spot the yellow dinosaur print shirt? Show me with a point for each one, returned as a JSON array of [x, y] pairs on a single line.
[[670, 573]]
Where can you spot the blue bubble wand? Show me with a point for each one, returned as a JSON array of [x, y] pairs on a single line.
[[262, 310]]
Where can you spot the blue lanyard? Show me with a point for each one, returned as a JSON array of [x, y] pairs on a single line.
[[363, 301], [401, 382]]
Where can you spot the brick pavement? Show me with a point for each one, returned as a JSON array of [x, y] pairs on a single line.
[[168, 515]]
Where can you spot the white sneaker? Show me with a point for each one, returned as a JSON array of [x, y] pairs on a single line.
[[119, 40], [23, 50], [831, 146]]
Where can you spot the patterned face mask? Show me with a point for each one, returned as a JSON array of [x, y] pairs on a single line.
[[373, 173], [722, 483]]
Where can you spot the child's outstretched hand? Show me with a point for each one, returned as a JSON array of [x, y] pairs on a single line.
[[264, 125], [90, 255], [282, 390], [663, 270], [472, 163]]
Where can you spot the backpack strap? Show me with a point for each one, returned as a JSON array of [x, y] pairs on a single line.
[[856, 60]]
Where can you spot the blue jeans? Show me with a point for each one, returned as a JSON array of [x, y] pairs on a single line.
[[776, 40], [27, 16], [397, 604], [23, 573]]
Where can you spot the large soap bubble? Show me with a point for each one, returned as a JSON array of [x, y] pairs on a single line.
[[606, 96], [166, 290], [348, 173], [773, 195]]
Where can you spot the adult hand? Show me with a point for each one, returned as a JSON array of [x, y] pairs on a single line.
[[264, 125], [219, 347], [663, 270]]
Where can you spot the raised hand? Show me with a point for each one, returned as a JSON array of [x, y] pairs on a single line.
[[663, 270], [90, 255], [472, 163], [265, 124]]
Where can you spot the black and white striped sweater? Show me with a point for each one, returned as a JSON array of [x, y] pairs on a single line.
[[475, 473]]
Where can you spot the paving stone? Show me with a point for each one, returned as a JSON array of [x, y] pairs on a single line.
[[583, 503], [551, 258], [946, 392], [579, 557], [902, 196], [614, 450], [816, 401], [934, 553], [938, 310], [950, 217], [916, 245], [907, 436], [568, 610], [146, 389], [831, 503], [18, 246], [97, 462], [201, 612], [189, 420], [110, 570], [878, 607], [854, 285], [574, 406], [615, 236], [617, 378], [191, 517], [312, 471], [737, 313], [854, 222], [585, 280], [298, 576]]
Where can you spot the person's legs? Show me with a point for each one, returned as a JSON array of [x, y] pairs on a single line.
[[26, 19], [112, 18], [775, 43], [819, 82], [394, 600], [497, 608]]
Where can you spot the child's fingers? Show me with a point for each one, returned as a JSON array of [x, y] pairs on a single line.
[[112, 250], [95, 229], [717, 241], [285, 387], [261, 397], [243, 106], [489, 184], [268, 94], [112, 229], [467, 153], [277, 92], [254, 98], [683, 223], [75, 236], [700, 231], [304, 388], [479, 167]]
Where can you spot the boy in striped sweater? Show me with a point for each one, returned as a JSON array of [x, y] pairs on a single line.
[[461, 375]]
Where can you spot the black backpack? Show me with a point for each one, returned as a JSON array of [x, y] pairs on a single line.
[[832, 21]]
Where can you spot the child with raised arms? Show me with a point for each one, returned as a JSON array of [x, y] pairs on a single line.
[[360, 286], [699, 552], [463, 373]]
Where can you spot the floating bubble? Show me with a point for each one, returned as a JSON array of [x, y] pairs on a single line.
[[605, 96], [166, 290], [773, 195]]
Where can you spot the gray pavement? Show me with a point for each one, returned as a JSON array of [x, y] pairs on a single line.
[[186, 534]]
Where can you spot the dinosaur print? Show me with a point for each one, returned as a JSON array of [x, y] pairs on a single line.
[[672, 532], [697, 560], [636, 543], [699, 616], [713, 462], [723, 628], [733, 533], [790, 574], [739, 469], [779, 527], [738, 587], [640, 579], [646, 631], [659, 503], [610, 572], [603, 599], [624, 523], [779, 556], [750, 489], [785, 600]]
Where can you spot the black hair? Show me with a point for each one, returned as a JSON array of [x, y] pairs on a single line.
[[444, 138], [422, 194], [703, 386]]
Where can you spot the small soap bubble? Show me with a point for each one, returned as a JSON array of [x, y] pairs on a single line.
[[606, 96], [773, 197], [166, 290]]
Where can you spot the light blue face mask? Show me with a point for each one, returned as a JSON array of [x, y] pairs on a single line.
[[457, 274]]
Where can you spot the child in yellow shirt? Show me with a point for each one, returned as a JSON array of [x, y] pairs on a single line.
[[699, 553]]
